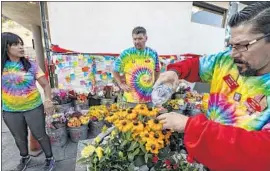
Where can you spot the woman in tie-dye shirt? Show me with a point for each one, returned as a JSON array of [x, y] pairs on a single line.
[[21, 101]]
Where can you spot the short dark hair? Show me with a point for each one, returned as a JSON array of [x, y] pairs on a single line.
[[257, 14], [139, 30]]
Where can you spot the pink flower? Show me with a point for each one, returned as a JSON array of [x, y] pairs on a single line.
[[175, 166], [94, 118], [167, 162], [155, 159]]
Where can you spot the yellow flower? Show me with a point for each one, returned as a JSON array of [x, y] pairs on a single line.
[[84, 119], [152, 146], [143, 111], [137, 126], [136, 136], [88, 151], [111, 118], [154, 125], [124, 125], [167, 135], [146, 128], [55, 116], [158, 137], [113, 133], [145, 136], [122, 114], [140, 105], [97, 140], [104, 129], [99, 152], [152, 112], [131, 115], [114, 107]]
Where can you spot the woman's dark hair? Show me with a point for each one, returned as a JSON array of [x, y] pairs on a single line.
[[9, 39]]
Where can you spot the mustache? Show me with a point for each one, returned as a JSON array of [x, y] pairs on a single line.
[[238, 61]]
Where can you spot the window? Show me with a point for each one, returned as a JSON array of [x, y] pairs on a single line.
[[208, 14]]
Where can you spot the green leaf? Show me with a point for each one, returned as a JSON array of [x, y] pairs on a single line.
[[124, 143], [146, 157], [82, 160], [133, 145], [130, 157], [85, 144], [128, 135], [136, 152], [118, 167], [143, 148], [131, 167]]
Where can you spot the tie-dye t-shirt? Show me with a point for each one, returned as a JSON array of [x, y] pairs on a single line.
[[244, 105], [19, 91], [139, 67]]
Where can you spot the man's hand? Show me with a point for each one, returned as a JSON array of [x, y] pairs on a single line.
[[147, 79], [124, 87], [174, 121], [168, 77]]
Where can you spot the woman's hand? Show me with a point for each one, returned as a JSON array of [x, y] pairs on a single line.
[[48, 107]]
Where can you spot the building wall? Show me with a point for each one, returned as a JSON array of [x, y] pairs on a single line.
[[106, 27]]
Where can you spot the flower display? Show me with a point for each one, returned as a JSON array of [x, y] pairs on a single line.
[[137, 139], [77, 120], [98, 113]]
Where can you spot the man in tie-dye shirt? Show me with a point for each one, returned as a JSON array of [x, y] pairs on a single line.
[[232, 134], [140, 66]]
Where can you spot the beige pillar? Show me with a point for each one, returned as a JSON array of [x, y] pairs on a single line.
[[36, 31]]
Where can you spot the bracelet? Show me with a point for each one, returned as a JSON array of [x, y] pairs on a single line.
[[48, 100]]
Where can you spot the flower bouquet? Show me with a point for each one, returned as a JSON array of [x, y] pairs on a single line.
[[62, 99], [78, 126], [97, 115], [56, 129], [137, 141], [81, 101]]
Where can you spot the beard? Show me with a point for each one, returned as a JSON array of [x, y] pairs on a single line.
[[248, 70]]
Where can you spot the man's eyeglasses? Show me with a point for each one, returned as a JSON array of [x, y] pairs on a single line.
[[243, 48]]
